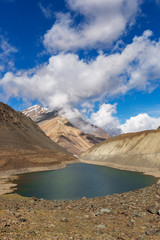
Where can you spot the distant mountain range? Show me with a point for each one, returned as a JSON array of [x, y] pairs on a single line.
[[62, 131], [23, 144]]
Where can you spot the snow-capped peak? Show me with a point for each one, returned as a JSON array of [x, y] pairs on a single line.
[[34, 112]]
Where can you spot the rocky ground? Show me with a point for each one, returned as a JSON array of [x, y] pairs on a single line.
[[131, 215]]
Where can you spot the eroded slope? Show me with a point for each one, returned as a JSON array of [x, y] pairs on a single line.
[[65, 134], [141, 150]]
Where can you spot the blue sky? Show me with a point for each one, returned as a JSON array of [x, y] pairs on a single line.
[[97, 59]]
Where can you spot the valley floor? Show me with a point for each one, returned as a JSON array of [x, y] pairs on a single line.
[[131, 215]]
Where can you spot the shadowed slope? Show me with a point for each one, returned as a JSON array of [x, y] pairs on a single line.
[[24, 144]]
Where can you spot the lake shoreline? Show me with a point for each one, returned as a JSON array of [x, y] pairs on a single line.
[[155, 172], [130, 215], [7, 177]]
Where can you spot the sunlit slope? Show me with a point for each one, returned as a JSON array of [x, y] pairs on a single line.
[[140, 149], [60, 130], [76, 137]]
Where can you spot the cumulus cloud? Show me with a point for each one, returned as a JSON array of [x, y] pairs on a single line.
[[72, 114], [105, 118], [67, 81], [139, 123], [105, 21]]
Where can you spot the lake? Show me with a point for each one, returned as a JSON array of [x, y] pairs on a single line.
[[79, 180]]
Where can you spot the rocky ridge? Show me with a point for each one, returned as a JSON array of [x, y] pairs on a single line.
[[35, 112]]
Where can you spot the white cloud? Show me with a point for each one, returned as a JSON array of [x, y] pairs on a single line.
[[105, 119], [47, 11], [105, 21], [139, 123], [66, 81], [6, 55]]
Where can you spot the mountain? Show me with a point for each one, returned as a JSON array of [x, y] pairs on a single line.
[[66, 134], [24, 144], [132, 151], [35, 112]]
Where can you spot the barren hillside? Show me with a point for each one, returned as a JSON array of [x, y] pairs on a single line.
[[65, 134], [76, 138], [137, 150], [24, 144]]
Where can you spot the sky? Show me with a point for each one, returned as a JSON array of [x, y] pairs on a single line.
[[99, 60]]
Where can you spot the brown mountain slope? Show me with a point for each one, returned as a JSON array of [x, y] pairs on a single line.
[[76, 138], [24, 144], [133, 151], [65, 134]]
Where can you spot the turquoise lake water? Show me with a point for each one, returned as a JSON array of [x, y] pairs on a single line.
[[79, 180]]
